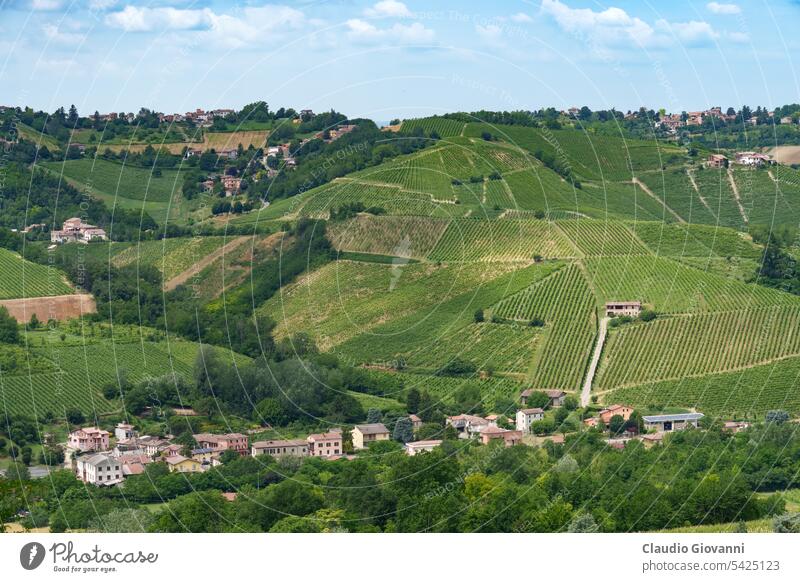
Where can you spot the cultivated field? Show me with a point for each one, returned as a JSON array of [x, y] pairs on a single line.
[[21, 278]]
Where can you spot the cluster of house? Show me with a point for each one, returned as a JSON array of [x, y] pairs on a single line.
[[486, 429], [75, 230], [751, 159], [198, 116], [655, 426], [673, 121], [91, 457]]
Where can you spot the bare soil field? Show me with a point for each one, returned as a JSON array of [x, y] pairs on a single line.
[[59, 307], [215, 141], [786, 154]]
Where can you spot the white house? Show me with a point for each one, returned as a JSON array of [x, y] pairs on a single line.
[[99, 469], [527, 416], [124, 431]]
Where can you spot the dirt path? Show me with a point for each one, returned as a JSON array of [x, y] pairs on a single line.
[[736, 196], [586, 393], [181, 278], [700, 196], [649, 192]]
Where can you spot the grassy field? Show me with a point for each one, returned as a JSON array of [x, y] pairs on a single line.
[[21, 278], [210, 140]]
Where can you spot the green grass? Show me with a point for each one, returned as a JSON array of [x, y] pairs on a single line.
[[602, 238], [444, 127], [21, 278]]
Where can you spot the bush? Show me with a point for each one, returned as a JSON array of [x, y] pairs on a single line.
[[457, 367], [536, 322], [647, 315]]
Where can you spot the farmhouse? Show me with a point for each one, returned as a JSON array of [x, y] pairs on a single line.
[[509, 437], [556, 397], [292, 448], [467, 425], [526, 417], [88, 439], [671, 422], [752, 159], [363, 434], [717, 161], [75, 230], [416, 421], [99, 469], [417, 447], [629, 308], [326, 444], [615, 410]]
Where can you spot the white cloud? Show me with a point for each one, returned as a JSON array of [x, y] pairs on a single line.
[[388, 9], [718, 8], [361, 31], [52, 33], [100, 5], [692, 33], [615, 28], [135, 19], [521, 17], [46, 5], [738, 37], [253, 25], [612, 26], [490, 33]]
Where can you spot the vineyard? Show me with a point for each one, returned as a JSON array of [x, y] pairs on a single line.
[[695, 240], [443, 388], [679, 347], [602, 238], [748, 393], [21, 278], [171, 256], [474, 240], [78, 379], [344, 299], [442, 126], [672, 287], [412, 237], [565, 304]]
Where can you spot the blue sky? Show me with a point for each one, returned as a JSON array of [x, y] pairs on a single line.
[[385, 59]]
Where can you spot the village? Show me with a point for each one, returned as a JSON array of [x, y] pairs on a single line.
[[98, 457]]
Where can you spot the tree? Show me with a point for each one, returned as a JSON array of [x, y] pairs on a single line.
[[617, 424], [75, 416], [34, 322], [403, 430], [538, 399], [17, 471], [786, 523], [583, 523], [374, 416], [479, 317], [777, 416], [412, 401], [9, 332], [128, 520]]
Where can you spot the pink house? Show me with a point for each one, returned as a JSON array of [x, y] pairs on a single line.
[[89, 439], [222, 442], [510, 437], [326, 444]]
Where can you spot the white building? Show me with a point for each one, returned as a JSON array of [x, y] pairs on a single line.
[[75, 230], [526, 417], [124, 431], [99, 469], [416, 447], [671, 422]]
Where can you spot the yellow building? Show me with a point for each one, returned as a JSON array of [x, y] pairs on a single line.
[[181, 464]]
